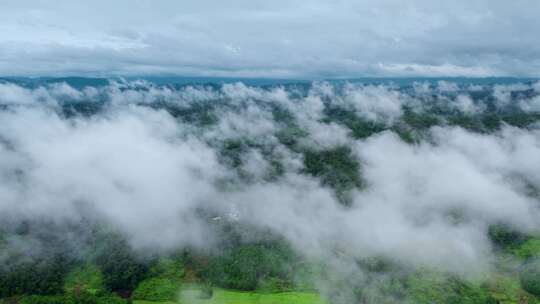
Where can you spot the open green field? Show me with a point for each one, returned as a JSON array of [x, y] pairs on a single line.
[[222, 296]]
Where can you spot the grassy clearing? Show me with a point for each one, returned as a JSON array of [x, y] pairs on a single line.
[[222, 296]]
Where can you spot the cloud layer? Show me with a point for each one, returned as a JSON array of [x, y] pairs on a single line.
[[304, 39], [150, 174]]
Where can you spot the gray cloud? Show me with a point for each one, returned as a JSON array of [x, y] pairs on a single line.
[[277, 39]]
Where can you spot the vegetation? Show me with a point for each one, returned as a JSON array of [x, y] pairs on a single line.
[[253, 266], [336, 168], [360, 127], [65, 299], [223, 296], [530, 277], [431, 287], [39, 272], [163, 281], [506, 237], [250, 266], [121, 268], [85, 278], [529, 249]]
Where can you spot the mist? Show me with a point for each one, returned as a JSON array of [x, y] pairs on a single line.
[[163, 182]]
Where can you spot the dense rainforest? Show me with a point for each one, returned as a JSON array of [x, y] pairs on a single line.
[[342, 192]]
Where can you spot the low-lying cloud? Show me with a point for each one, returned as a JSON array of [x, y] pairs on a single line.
[[150, 174]]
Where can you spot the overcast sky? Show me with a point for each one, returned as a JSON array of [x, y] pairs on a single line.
[[278, 38]]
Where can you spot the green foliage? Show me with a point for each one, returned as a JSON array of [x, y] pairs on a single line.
[[433, 287], [121, 268], [276, 169], [87, 109], [530, 277], [283, 115], [86, 278], [529, 249], [520, 119], [406, 134], [39, 271], [82, 298], [163, 282], [199, 114], [505, 236], [290, 135], [246, 267], [420, 121], [43, 300], [232, 152], [506, 288], [336, 168], [111, 299], [40, 276], [167, 268], [360, 127], [491, 122], [157, 289], [37, 265], [221, 296], [469, 122]]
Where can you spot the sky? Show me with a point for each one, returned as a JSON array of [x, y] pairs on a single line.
[[271, 39]]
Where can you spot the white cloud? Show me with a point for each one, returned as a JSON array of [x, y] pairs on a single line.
[[14, 94], [503, 93], [425, 204], [434, 70], [466, 105], [375, 102]]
